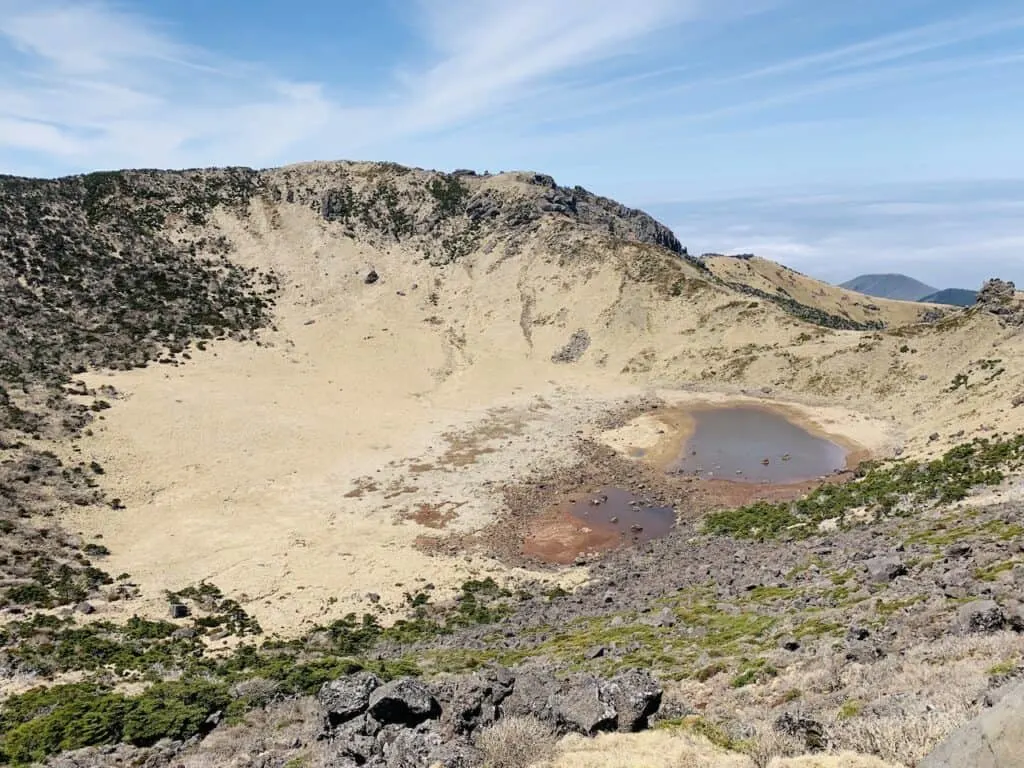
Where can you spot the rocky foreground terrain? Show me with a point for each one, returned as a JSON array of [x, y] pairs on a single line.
[[872, 617]]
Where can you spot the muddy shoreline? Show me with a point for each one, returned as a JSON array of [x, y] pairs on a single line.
[[539, 530]]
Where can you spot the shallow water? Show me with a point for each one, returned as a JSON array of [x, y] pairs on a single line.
[[755, 445], [618, 509]]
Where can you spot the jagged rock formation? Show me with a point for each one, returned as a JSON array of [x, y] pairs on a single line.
[[1000, 298]]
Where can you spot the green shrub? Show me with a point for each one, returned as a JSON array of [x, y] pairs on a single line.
[[175, 710], [877, 486], [31, 594], [45, 721]]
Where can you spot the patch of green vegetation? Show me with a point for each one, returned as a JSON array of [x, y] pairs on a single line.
[[804, 312], [886, 487], [850, 709], [886, 608], [35, 595], [224, 613], [754, 671], [1003, 668], [556, 592], [98, 187], [960, 380], [817, 627], [764, 594], [991, 572], [953, 529], [707, 729], [450, 194], [841, 577], [45, 721], [706, 673]]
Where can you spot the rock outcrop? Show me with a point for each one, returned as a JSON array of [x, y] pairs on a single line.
[[1000, 298], [994, 739], [408, 722]]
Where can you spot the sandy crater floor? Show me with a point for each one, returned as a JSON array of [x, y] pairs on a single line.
[[299, 482]]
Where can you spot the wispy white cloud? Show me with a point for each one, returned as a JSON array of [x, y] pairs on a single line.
[[90, 85], [948, 235], [93, 85]]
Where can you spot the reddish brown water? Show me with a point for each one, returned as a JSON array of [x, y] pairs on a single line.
[[619, 510], [607, 519]]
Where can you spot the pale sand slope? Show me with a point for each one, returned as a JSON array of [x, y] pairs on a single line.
[[768, 276], [281, 472]]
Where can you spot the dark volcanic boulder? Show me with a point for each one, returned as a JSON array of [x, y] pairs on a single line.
[[885, 568], [531, 695], [981, 616], [402, 747], [405, 701], [636, 696], [472, 702], [347, 697], [584, 708]]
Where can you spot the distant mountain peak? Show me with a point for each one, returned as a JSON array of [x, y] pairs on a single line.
[[890, 286]]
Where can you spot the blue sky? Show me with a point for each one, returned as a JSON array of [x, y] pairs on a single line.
[[839, 138]]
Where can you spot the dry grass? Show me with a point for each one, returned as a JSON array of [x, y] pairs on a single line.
[[516, 742], [896, 709], [273, 731], [678, 749], [652, 749], [842, 760]]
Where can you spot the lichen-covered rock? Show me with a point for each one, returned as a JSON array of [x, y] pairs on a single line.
[[584, 708], [981, 616], [635, 695], [347, 697]]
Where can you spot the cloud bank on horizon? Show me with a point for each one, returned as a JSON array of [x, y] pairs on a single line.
[[837, 138]]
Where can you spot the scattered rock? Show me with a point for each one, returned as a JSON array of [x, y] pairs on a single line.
[[885, 568], [958, 550], [1000, 298], [582, 709], [85, 608], [981, 616], [812, 732], [636, 696], [663, 618], [472, 702], [574, 349], [371, 277]]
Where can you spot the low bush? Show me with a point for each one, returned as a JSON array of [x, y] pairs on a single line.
[[516, 742], [886, 488], [45, 721]]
